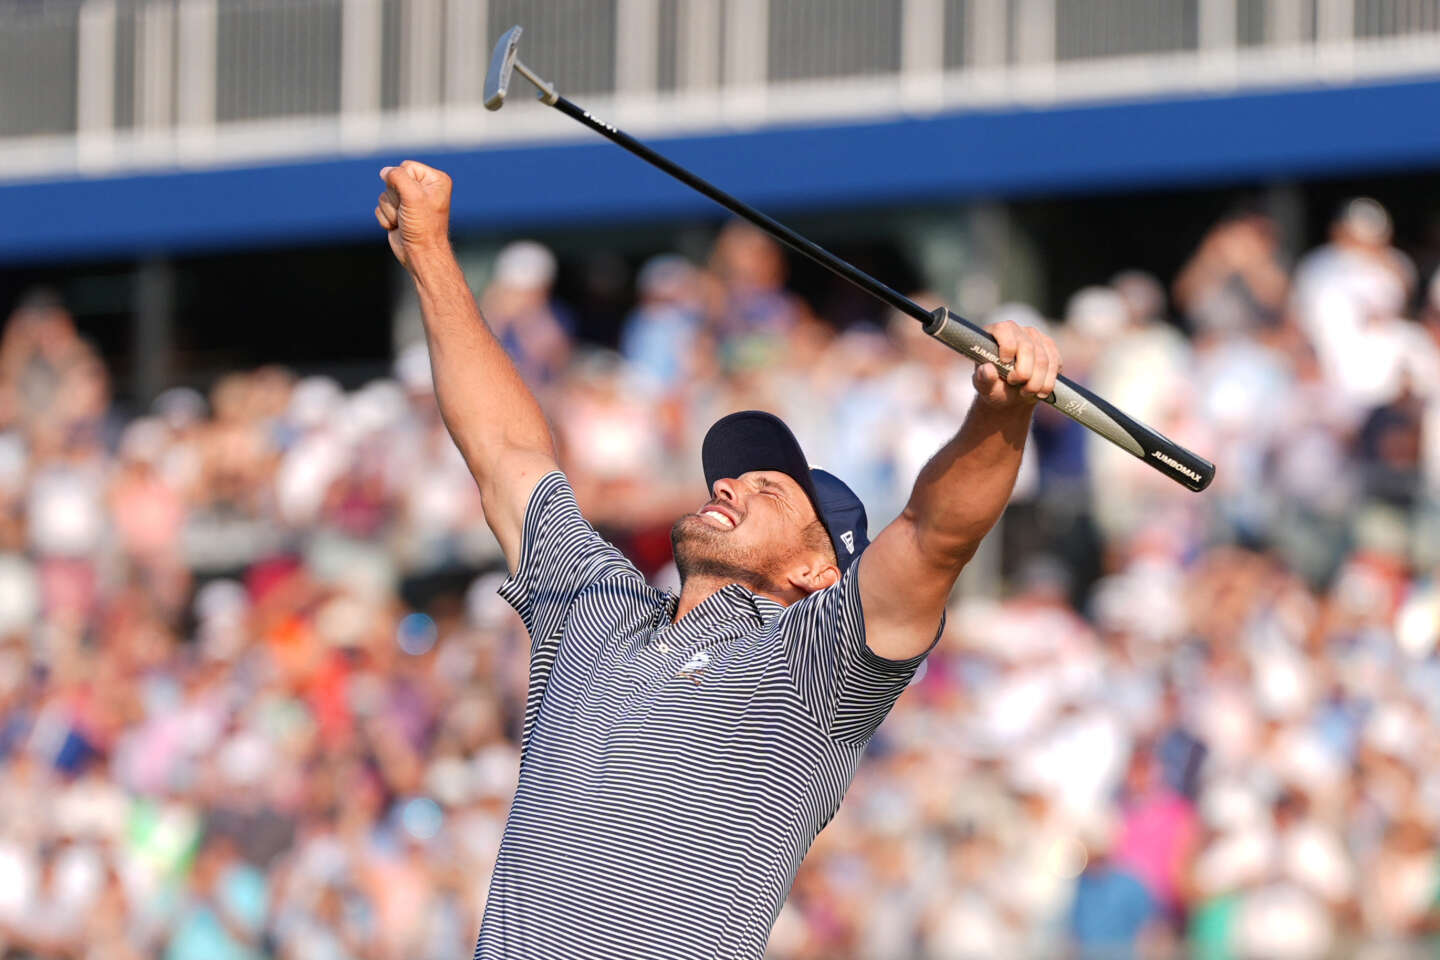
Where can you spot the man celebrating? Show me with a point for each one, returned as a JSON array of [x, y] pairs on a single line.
[[680, 754]]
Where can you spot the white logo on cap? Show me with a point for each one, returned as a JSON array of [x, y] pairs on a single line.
[[848, 539]]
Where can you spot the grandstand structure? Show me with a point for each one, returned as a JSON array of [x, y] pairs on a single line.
[[268, 115]]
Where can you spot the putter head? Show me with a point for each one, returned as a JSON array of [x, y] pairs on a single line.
[[502, 62]]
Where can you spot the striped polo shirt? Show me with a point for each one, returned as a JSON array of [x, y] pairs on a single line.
[[672, 774]]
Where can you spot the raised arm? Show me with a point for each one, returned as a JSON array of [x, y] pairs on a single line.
[[907, 571], [490, 413]]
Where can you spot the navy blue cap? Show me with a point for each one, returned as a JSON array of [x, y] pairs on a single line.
[[756, 440]]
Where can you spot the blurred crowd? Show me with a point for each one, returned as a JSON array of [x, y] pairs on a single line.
[[258, 698]]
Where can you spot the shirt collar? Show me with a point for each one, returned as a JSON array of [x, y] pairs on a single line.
[[765, 608], [729, 601]]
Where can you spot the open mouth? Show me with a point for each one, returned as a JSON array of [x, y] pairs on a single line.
[[716, 517]]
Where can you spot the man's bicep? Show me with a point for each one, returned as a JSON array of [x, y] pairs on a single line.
[[903, 590], [505, 494]]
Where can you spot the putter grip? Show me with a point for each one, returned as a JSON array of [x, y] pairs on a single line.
[[1083, 407]]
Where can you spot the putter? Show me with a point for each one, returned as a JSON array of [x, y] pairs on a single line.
[[1076, 402]]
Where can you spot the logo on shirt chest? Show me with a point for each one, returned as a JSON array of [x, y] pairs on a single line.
[[694, 667]]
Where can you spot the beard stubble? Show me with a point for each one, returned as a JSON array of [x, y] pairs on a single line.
[[700, 551]]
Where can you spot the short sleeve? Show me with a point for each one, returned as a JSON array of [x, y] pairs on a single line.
[[847, 686], [560, 555]]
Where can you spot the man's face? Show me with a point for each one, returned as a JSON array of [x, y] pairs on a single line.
[[755, 529]]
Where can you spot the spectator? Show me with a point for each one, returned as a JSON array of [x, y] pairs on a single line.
[[1236, 281], [224, 916], [661, 331], [1342, 290], [1158, 833], [750, 270], [518, 306], [1113, 911]]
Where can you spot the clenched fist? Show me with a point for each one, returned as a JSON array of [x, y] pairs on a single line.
[[1036, 364], [415, 209]]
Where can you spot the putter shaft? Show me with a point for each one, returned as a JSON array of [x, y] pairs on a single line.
[[1090, 410]]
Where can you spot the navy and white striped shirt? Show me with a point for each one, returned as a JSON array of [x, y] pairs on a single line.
[[672, 775]]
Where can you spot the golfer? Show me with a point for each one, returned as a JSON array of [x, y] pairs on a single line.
[[680, 753]]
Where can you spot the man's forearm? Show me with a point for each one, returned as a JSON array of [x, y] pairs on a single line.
[[485, 404], [490, 413], [964, 488], [908, 570]]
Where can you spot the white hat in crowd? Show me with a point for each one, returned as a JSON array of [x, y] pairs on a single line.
[[525, 265], [1097, 312]]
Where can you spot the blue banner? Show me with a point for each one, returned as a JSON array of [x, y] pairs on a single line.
[[1000, 153]]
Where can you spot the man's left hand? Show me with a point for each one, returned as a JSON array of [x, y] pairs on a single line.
[[1036, 364]]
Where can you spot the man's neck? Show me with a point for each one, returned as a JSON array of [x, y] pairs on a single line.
[[698, 588]]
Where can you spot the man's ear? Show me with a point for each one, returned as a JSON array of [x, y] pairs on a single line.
[[814, 574]]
